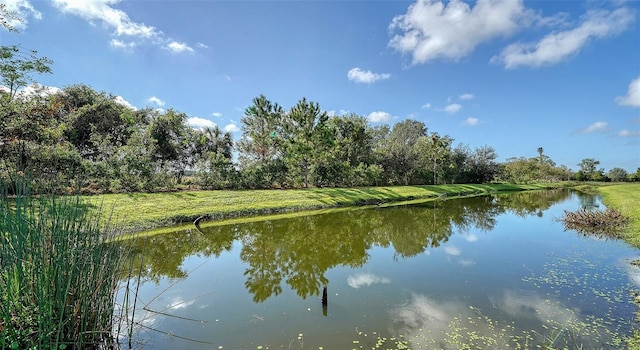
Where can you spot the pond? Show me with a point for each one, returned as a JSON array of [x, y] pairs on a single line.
[[488, 272]]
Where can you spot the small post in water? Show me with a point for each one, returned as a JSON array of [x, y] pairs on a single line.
[[324, 300]]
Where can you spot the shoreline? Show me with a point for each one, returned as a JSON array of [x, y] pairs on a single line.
[[156, 213]]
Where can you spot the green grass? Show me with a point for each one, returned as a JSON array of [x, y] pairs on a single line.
[[626, 199], [145, 211], [57, 276]]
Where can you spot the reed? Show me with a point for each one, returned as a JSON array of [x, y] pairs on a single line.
[[57, 276]]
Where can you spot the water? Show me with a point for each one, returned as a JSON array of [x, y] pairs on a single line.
[[488, 272]]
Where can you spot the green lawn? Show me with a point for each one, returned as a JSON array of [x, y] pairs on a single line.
[[144, 211], [626, 199]]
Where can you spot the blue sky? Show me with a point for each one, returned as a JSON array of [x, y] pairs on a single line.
[[514, 75]]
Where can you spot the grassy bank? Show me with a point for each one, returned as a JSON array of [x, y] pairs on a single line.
[[144, 211], [626, 199]]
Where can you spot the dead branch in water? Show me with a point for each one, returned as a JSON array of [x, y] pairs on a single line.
[[607, 223]]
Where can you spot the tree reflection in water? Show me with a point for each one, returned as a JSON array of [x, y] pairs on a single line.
[[300, 250]]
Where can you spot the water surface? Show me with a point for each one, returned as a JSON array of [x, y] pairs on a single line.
[[487, 272]]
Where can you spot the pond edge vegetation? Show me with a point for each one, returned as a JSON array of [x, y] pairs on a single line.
[[58, 277]]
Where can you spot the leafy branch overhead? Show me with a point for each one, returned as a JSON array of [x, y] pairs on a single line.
[[17, 64]]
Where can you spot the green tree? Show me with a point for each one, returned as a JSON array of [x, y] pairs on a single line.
[[399, 154], [17, 64], [617, 174], [214, 152], [588, 167], [261, 147], [351, 158], [169, 130], [308, 139]]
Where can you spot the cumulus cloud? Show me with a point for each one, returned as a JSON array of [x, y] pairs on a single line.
[[120, 100], [629, 133], [452, 108], [379, 117], [333, 112], [216, 114], [366, 76], [632, 98], [177, 47], [465, 97], [121, 45], [101, 11], [231, 128], [156, 101], [426, 105], [32, 90], [202, 46], [471, 121], [451, 250], [595, 127], [365, 279], [430, 29], [200, 123], [558, 46], [105, 13]]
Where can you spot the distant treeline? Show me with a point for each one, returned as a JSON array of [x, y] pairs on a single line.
[[82, 139]]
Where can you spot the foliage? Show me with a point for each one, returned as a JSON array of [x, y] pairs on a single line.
[[57, 276], [17, 64]]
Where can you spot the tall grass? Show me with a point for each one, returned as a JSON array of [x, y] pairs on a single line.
[[57, 277]]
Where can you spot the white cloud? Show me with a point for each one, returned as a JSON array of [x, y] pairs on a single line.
[[216, 114], [23, 10], [121, 45], [365, 279], [156, 101], [103, 12], [471, 237], [559, 46], [200, 123], [452, 108], [379, 117], [633, 95], [177, 47], [629, 133], [202, 46], [430, 29], [231, 128], [451, 250], [333, 112], [426, 105], [32, 90], [366, 76], [596, 127], [471, 121], [120, 100], [465, 97]]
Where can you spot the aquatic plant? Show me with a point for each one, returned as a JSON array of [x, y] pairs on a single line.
[[57, 276]]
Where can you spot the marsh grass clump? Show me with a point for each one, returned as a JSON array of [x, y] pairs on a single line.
[[57, 275], [606, 223]]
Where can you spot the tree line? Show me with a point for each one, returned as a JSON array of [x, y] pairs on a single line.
[[79, 138]]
